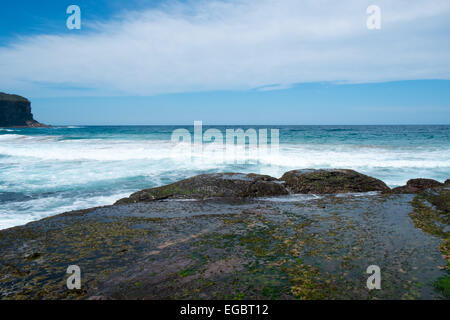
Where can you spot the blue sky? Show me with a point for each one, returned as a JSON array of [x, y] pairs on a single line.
[[229, 62]]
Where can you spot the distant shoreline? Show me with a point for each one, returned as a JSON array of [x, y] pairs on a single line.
[[228, 125]]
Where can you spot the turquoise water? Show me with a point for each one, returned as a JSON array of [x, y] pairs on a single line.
[[46, 171]]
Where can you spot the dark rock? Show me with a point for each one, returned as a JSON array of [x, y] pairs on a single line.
[[209, 249], [328, 181], [239, 185], [447, 182], [32, 255], [99, 298], [231, 185], [15, 111], [439, 198], [417, 185], [423, 183], [403, 190]]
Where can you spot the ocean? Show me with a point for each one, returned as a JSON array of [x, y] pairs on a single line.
[[46, 171]]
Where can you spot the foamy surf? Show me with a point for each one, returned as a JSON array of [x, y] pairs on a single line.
[[18, 213], [102, 164]]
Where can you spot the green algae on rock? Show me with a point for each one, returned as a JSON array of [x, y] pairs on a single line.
[[417, 185], [235, 185], [240, 185], [432, 215], [329, 181]]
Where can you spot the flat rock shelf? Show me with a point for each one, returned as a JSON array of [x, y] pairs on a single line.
[[244, 244]]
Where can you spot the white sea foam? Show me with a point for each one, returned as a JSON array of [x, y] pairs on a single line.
[[18, 213], [298, 155], [41, 163], [98, 155]]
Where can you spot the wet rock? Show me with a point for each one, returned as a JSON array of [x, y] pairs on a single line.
[[329, 181], [32, 255], [229, 185], [224, 248], [417, 185], [439, 198], [423, 183], [99, 298], [239, 185]]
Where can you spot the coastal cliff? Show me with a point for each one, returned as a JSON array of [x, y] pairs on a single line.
[[15, 111]]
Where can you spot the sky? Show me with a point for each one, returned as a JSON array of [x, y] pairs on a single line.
[[229, 62]]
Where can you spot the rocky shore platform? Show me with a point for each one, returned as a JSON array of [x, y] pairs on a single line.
[[309, 235]]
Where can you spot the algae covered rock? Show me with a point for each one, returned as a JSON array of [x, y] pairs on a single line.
[[232, 185], [211, 249], [432, 215], [329, 181], [240, 185], [440, 199], [417, 185]]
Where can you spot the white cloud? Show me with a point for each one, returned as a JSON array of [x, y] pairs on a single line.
[[234, 45]]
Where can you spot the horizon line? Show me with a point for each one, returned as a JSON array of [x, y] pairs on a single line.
[[237, 124]]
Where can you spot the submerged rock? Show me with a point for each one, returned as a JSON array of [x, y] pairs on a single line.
[[15, 111], [432, 215], [417, 185], [328, 181], [440, 199], [231, 185]]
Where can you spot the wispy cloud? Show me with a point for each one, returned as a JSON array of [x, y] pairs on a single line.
[[234, 45]]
